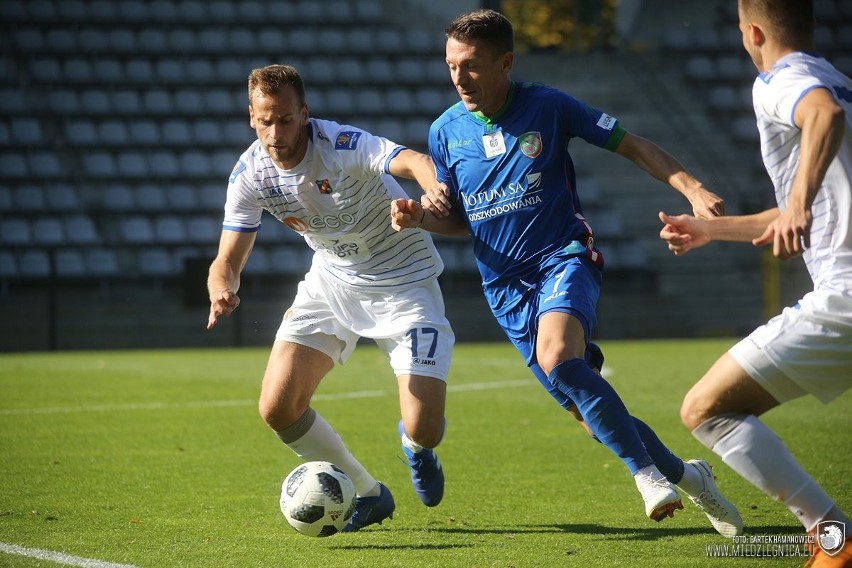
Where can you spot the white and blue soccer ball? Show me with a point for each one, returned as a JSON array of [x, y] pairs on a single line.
[[317, 498]]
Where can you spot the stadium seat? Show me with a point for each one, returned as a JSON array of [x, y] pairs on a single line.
[[26, 131], [78, 70], [6, 202], [101, 262], [15, 231], [151, 197], [113, 132], [29, 40], [93, 40], [64, 101], [182, 197], [157, 101], [203, 229], [189, 102], [29, 198], [14, 165], [70, 263], [176, 132], [126, 101], [165, 164], [46, 163], [48, 231], [80, 229], [155, 262], [136, 230], [62, 197], [145, 133], [118, 197], [61, 40], [258, 262], [95, 101], [132, 165], [170, 229], [8, 265], [81, 132], [34, 264], [121, 41]]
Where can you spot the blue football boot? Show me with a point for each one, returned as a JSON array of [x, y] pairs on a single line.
[[371, 510], [427, 476]]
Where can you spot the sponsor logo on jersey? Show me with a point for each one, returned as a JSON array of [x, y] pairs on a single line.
[[324, 186], [530, 143], [533, 180], [318, 222], [458, 144], [606, 121], [239, 167], [347, 140]]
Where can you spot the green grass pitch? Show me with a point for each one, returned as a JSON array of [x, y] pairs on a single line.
[[157, 459]]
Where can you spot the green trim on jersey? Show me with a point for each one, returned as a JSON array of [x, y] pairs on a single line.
[[615, 138], [489, 120]]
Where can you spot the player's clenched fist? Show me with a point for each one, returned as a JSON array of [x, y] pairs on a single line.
[[222, 304], [406, 214]]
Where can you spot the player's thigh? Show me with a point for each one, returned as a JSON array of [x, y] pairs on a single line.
[[725, 388], [422, 402], [561, 337], [292, 375]]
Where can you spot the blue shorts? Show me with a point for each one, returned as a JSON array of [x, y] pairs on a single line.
[[572, 287]]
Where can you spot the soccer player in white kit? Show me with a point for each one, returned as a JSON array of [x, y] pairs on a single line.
[[332, 184], [804, 114]]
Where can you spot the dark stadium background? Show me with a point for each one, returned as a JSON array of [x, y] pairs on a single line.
[[120, 122]]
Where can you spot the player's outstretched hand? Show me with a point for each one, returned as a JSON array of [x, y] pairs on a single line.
[[789, 233], [406, 214], [438, 200], [683, 233], [222, 304]]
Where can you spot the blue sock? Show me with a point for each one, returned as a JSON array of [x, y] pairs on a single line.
[[603, 411], [669, 464]]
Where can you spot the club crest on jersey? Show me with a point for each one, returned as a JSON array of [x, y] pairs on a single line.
[[239, 167], [530, 143], [347, 140], [324, 186]]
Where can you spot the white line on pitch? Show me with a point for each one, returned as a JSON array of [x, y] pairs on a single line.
[[59, 557], [249, 402]]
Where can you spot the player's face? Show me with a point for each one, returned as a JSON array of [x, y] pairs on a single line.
[[280, 121], [480, 75]]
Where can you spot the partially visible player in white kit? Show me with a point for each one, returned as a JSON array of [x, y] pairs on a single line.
[[804, 115], [332, 184]]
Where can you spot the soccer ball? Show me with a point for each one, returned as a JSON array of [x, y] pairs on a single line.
[[317, 498]]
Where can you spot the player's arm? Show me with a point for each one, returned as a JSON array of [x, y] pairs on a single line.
[[822, 123], [663, 166], [410, 214], [419, 167], [685, 232], [223, 279]]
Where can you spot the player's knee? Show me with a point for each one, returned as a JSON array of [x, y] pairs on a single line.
[[692, 412], [279, 414]]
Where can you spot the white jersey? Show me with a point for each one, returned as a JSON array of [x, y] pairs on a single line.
[[776, 94], [338, 198]]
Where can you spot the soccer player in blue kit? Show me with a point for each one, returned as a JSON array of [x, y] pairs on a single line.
[[502, 153]]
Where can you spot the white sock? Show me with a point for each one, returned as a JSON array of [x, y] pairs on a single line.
[[691, 483], [411, 444], [313, 439], [756, 453]]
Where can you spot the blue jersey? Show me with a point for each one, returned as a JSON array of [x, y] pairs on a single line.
[[513, 179]]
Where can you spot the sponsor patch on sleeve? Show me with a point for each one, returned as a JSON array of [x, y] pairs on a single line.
[[347, 140], [606, 121], [236, 171]]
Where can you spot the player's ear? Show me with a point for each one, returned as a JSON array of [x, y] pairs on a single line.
[[251, 116], [508, 60], [304, 113], [756, 35]]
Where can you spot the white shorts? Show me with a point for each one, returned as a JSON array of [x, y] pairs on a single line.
[[807, 349], [408, 325]]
